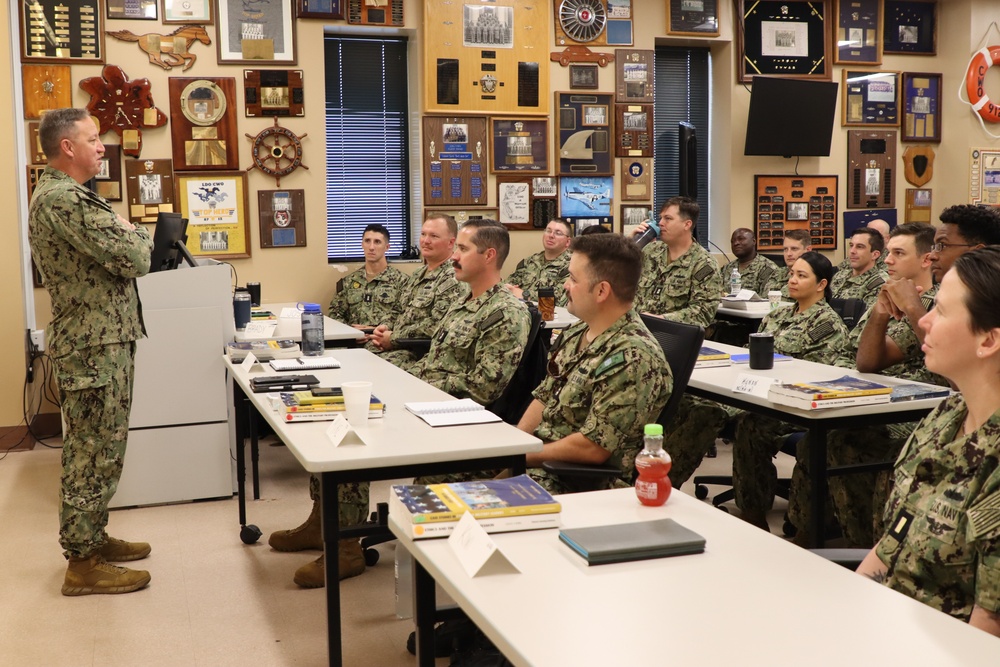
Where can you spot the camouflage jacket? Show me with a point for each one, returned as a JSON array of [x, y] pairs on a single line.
[[478, 346], [608, 390], [779, 282], [372, 302], [535, 271], [88, 262], [757, 276], [424, 299], [846, 285], [942, 541], [686, 290], [815, 335]]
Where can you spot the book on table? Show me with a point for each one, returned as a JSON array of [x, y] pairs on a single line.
[[263, 350], [452, 413], [499, 505], [916, 392], [709, 357], [291, 410], [846, 386], [805, 403], [642, 540]]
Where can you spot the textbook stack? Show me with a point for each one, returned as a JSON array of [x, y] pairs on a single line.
[[303, 406], [499, 505], [709, 357], [263, 350], [843, 392]]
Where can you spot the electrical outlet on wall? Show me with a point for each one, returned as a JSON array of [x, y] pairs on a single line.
[[38, 339]]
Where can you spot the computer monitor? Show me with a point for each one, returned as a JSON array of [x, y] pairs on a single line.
[[169, 240], [790, 117]]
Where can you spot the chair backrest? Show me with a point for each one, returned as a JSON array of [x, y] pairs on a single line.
[[681, 344], [778, 259], [517, 394], [850, 310]]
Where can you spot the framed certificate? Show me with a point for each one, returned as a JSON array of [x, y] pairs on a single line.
[[526, 202], [261, 32], [870, 98], [921, 107], [215, 205], [80, 34], [187, 11], [911, 27], [693, 17], [786, 38], [859, 32]]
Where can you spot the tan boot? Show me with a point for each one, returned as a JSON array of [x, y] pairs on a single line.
[[87, 576], [120, 551], [351, 563], [307, 536]]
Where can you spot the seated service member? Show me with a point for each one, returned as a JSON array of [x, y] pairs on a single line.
[[680, 280], [880, 226], [866, 277], [607, 376], [942, 540], [369, 296], [796, 242], [756, 271], [547, 268], [427, 295]]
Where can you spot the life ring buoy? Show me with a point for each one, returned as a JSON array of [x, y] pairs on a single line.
[[975, 78]]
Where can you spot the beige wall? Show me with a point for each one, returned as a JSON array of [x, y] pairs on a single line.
[[303, 274]]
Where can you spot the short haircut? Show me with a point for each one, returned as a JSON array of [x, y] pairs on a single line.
[[569, 227], [976, 224], [800, 235], [922, 233], [614, 259], [821, 268], [57, 125], [448, 220], [979, 271], [376, 227], [687, 207], [875, 240], [490, 234], [742, 230], [595, 229]]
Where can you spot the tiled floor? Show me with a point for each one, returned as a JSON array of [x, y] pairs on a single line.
[[213, 600]]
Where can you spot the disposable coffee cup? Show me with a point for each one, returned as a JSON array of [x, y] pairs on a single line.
[[761, 351], [774, 296], [357, 400]]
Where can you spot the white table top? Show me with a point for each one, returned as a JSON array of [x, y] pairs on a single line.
[[744, 314], [398, 438], [721, 379], [563, 318], [751, 599], [291, 327]]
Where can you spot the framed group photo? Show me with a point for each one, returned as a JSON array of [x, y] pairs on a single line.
[[788, 39], [263, 35]]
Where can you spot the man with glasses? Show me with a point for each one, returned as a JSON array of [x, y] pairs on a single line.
[[548, 268]]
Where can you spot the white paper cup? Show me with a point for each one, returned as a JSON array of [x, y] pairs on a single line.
[[774, 296], [357, 399]]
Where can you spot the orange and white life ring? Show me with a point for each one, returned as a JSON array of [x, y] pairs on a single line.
[[975, 78]]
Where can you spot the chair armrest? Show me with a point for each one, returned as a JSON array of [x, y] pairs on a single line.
[[563, 468], [420, 345], [849, 558]]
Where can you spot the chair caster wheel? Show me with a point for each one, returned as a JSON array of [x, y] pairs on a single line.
[[789, 529], [250, 534], [700, 491], [371, 557], [723, 508]]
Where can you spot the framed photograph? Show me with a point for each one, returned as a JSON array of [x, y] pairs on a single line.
[[580, 223], [455, 160], [693, 17], [910, 27], [637, 179], [545, 186], [135, 10], [109, 179], [634, 215], [519, 144], [859, 32], [282, 218], [321, 9], [921, 107], [583, 76], [525, 202], [918, 205], [215, 205], [584, 143], [635, 76], [187, 11], [273, 92], [634, 130], [262, 32], [984, 176], [870, 98], [788, 38], [149, 185], [585, 196], [80, 41], [594, 115]]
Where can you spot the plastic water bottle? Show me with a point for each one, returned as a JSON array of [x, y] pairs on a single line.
[[653, 232], [312, 329], [653, 486], [735, 282]]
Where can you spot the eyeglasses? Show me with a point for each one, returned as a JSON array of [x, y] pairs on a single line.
[[554, 232], [941, 247]]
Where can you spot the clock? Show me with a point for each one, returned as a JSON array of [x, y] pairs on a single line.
[[203, 123], [123, 106], [46, 87]]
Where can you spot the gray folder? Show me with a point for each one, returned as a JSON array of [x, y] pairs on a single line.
[[632, 541]]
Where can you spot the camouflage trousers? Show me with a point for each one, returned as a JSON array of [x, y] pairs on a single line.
[[352, 499], [95, 386], [758, 440], [400, 358], [691, 434]]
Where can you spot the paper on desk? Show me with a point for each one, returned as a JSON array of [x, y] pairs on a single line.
[[476, 550], [290, 311], [259, 330], [755, 385]]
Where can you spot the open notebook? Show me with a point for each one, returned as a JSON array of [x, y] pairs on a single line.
[[452, 413]]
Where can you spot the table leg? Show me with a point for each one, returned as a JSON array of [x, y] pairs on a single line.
[[241, 406], [331, 537], [254, 454], [818, 487], [424, 613]]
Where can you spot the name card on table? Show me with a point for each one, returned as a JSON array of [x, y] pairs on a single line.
[[476, 550], [259, 330], [338, 431], [755, 385], [249, 362]]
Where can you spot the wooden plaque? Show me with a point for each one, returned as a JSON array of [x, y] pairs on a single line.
[[282, 217], [634, 135], [593, 22], [524, 201], [635, 76], [584, 139], [381, 12], [61, 31], [273, 92], [456, 160], [35, 153], [203, 128], [637, 179], [782, 203], [871, 169], [150, 188], [918, 206], [109, 179], [46, 87]]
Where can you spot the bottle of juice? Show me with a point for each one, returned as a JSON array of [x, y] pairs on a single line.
[[653, 486]]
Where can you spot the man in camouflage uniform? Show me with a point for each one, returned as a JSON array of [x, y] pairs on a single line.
[[548, 268], [607, 376], [880, 226], [865, 278], [427, 295], [89, 258], [796, 242], [756, 271], [369, 296], [680, 280]]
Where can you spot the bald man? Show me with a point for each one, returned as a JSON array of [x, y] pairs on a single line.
[[755, 270]]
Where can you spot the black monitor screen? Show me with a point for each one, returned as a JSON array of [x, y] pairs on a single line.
[[168, 242], [790, 117]]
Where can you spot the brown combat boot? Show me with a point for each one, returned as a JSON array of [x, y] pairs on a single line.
[[307, 536], [351, 564], [94, 575], [119, 551]]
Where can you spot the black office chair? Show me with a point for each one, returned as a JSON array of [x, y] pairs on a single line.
[[850, 310], [416, 346], [681, 344]]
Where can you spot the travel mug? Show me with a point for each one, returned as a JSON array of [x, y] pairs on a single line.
[[761, 351]]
